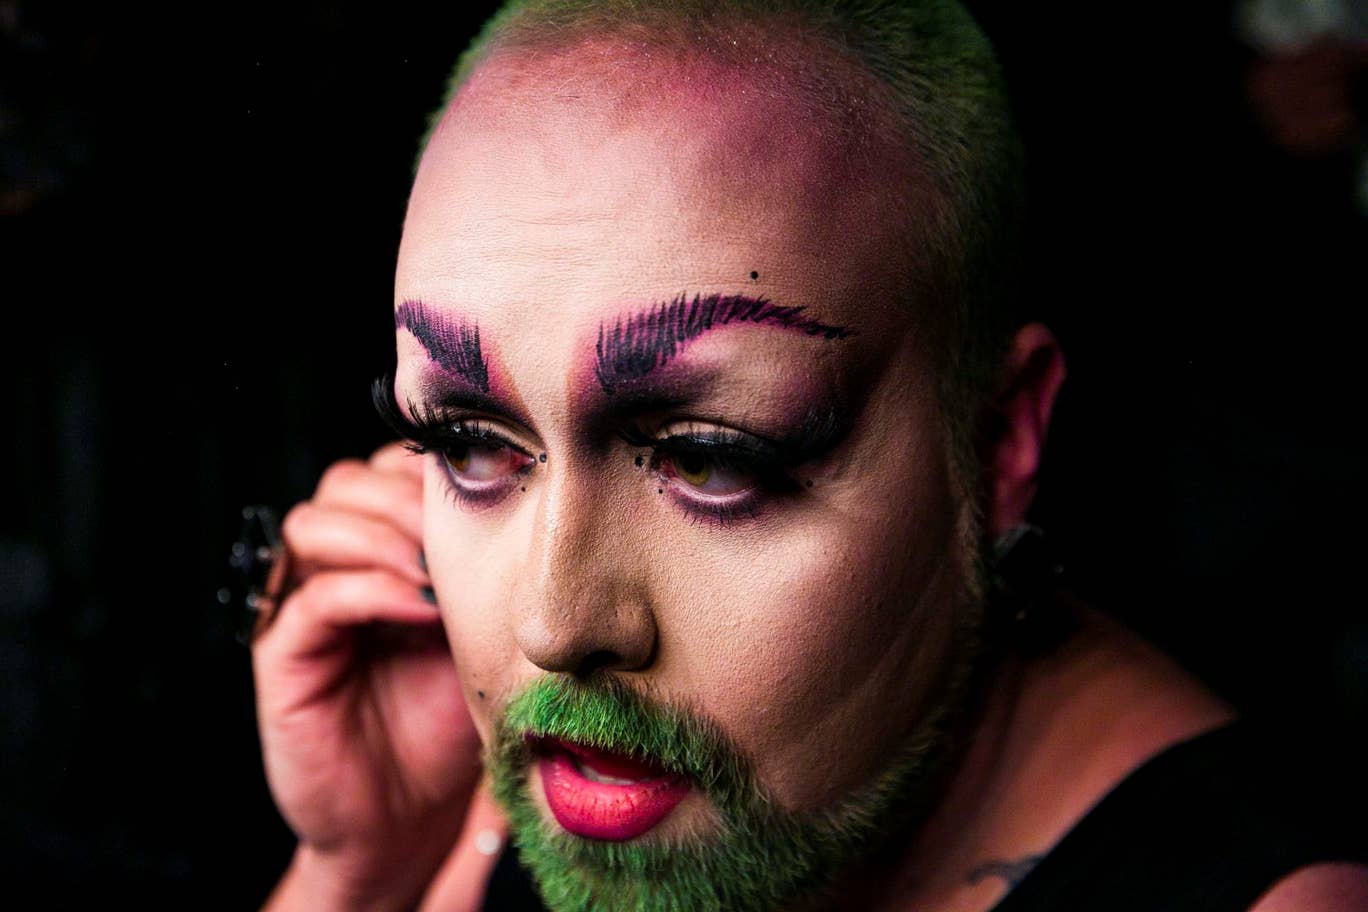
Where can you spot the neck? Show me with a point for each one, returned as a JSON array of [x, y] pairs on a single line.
[[1070, 724]]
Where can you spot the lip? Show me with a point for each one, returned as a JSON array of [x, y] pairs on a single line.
[[604, 810]]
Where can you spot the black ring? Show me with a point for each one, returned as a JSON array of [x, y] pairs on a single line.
[[254, 558]]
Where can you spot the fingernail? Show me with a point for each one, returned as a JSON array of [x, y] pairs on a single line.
[[422, 560], [428, 595]]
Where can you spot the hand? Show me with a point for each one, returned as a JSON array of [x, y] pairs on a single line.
[[369, 748]]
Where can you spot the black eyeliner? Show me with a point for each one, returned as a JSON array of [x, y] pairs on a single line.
[[818, 433], [768, 461]]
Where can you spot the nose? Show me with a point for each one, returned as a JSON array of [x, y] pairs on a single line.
[[583, 605]]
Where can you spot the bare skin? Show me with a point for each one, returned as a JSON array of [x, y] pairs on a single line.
[[369, 748], [541, 212]]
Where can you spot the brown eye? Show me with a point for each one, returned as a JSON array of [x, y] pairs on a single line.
[[480, 463], [459, 457], [694, 469], [707, 475]]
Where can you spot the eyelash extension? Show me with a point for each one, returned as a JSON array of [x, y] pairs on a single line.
[[431, 430], [819, 432], [767, 461]]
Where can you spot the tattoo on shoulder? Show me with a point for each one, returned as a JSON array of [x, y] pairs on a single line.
[[1011, 871]]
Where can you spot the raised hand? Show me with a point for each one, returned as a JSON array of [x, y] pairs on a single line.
[[370, 751]]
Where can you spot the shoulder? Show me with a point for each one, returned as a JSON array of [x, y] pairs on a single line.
[[1250, 814], [1331, 887]]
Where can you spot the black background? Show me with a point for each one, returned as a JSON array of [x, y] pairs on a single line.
[[197, 262]]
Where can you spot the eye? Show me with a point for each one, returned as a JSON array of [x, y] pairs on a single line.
[[483, 463], [707, 474], [715, 474], [480, 465]]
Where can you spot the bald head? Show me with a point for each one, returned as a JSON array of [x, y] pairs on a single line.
[[731, 148]]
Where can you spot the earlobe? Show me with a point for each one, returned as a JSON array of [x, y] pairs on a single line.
[[1032, 372]]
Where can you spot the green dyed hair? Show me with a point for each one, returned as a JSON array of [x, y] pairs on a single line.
[[946, 93]]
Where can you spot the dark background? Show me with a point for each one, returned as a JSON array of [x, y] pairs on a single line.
[[201, 208]]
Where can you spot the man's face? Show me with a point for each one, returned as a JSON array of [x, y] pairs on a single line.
[[740, 507]]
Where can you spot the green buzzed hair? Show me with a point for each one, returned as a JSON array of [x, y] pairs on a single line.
[[943, 88]]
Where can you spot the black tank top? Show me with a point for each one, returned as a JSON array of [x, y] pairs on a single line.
[[1207, 825]]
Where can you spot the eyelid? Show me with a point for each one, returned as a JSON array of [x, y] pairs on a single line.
[[422, 423], [732, 450], [712, 440], [439, 426], [819, 432], [475, 429]]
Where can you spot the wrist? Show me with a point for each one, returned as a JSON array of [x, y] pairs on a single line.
[[315, 880]]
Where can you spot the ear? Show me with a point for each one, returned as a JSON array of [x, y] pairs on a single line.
[[1018, 418]]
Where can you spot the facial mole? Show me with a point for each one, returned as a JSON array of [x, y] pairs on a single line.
[[754, 275], [660, 490], [524, 487], [480, 694], [541, 458], [640, 460], [809, 484]]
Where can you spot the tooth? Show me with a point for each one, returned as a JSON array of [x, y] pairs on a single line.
[[595, 776]]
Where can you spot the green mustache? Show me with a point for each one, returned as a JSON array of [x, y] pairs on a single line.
[[608, 714]]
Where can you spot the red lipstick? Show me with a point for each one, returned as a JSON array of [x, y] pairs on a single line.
[[601, 795]]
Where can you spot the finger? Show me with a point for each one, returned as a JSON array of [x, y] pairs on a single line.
[[397, 459], [322, 613], [352, 485], [323, 538]]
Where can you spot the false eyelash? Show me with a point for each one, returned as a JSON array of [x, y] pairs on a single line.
[[431, 430]]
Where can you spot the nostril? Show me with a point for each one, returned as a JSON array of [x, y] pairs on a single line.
[[600, 658]]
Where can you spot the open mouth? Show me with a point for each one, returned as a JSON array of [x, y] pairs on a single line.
[[598, 794]]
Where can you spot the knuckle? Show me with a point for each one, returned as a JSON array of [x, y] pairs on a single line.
[[296, 523]]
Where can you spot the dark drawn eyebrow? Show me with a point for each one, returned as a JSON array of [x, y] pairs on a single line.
[[451, 344], [642, 342]]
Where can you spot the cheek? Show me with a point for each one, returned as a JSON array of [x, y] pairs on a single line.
[[471, 584], [833, 636]]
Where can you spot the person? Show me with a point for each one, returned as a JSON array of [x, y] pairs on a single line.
[[697, 583]]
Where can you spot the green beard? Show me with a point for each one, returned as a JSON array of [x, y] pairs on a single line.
[[761, 857]]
